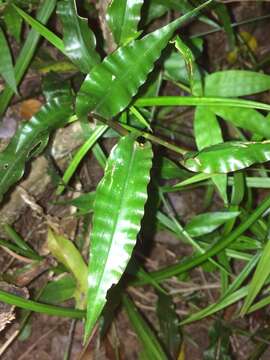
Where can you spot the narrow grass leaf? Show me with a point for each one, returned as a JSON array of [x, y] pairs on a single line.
[[41, 29], [123, 17], [80, 154], [27, 52], [227, 157], [149, 341], [30, 139], [6, 65], [234, 83], [258, 280], [79, 40], [118, 210], [110, 86]]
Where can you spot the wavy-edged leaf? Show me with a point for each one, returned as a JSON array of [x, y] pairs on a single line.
[[227, 157], [233, 83], [123, 17], [248, 119], [6, 65], [118, 210], [151, 346], [30, 139], [206, 223], [79, 40], [66, 253], [110, 86], [208, 132]]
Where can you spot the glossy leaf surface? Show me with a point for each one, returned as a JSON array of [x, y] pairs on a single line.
[[6, 66], [79, 40], [110, 86], [118, 210], [248, 119], [206, 223], [227, 157], [208, 132], [123, 17], [233, 83], [30, 139]]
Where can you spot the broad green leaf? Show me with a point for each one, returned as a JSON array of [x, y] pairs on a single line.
[[30, 139], [6, 65], [118, 210], [170, 170], [248, 119], [110, 86], [227, 157], [233, 83], [59, 290], [84, 202], [259, 278], [170, 333], [66, 253], [27, 52], [208, 132], [149, 341], [79, 40], [206, 223], [13, 22], [123, 17]]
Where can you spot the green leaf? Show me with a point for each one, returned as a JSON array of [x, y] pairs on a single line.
[[208, 132], [259, 278], [66, 253], [59, 290], [83, 202], [27, 52], [30, 139], [13, 22], [110, 86], [150, 343], [118, 210], [219, 348], [227, 157], [6, 65], [79, 40], [233, 83], [206, 223], [170, 333], [248, 119], [224, 16], [123, 17], [41, 29]]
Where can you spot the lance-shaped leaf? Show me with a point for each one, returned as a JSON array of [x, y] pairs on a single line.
[[248, 119], [79, 40], [118, 210], [233, 83], [123, 17], [110, 86], [30, 139], [227, 157], [6, 66], [208, 132]]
